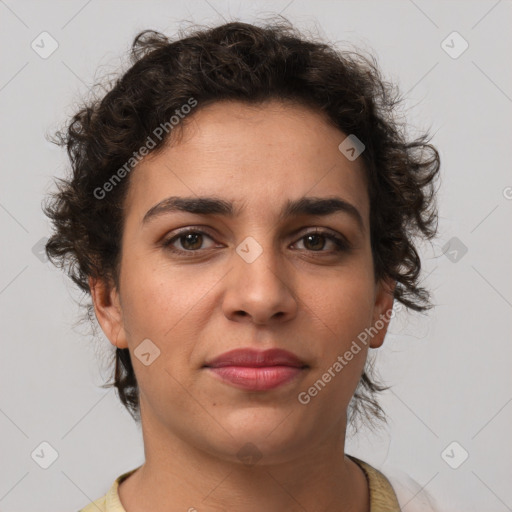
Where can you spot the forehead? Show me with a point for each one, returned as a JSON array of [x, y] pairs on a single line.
[[257, 156]]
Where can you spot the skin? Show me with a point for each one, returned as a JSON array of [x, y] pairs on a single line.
[[299, 295]]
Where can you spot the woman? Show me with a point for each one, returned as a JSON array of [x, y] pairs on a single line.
[[242, 210]]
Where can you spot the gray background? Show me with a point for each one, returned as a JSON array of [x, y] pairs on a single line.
[[450, 370]]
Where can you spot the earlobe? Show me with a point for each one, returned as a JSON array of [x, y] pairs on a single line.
[[382, 310], [108, 311]]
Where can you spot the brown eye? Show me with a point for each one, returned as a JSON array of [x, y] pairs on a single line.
[[315, 242], [190, 241]]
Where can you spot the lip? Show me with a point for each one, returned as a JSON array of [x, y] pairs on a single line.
[[255, 370], [253, 358]]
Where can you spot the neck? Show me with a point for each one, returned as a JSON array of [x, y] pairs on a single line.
[[180, 475]]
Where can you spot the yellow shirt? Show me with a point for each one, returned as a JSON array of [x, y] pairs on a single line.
[[382, 495]]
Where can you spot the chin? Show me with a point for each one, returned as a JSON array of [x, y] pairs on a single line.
[[267, 435]]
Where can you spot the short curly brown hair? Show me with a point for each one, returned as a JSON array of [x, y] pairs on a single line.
[[252, 64]]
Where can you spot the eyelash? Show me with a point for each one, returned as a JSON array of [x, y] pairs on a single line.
[[341, 245]]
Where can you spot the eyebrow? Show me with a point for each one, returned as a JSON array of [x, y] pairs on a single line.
[[314, 206]]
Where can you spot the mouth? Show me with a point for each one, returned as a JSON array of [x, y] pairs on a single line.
[[261, 378], [250, 357], [254, 370]]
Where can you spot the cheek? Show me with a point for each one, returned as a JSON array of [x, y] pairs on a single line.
[[342, 303], [169, 306], [340, 310], [157, 309], [154, 299]]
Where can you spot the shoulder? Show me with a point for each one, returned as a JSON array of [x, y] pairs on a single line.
[[382, 495], [411, 493], [98, 505], [110, 502], [396, 488]]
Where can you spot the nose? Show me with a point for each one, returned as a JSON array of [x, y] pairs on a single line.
[[259, 290]]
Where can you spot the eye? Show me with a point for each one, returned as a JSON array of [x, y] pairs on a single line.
[[190, 240], [314, 241]]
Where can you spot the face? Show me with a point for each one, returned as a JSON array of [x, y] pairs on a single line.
[[194, 285]]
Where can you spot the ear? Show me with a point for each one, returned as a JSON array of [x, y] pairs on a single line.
[[382, 310], [107, 308]]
